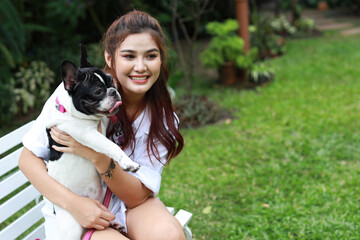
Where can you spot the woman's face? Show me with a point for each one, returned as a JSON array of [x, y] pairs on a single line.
[[137, 64]]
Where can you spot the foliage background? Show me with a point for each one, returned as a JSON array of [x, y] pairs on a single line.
[[287, 166]]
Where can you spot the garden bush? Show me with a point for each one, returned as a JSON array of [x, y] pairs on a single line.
[[196, 111], [32, 86]]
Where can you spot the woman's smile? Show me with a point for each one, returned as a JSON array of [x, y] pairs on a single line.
[[139, 79]]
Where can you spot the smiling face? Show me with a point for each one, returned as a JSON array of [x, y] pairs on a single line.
[[137, 64]]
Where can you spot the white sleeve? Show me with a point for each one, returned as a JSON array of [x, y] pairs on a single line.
[[150, 171], [36, 139], [151, 168]]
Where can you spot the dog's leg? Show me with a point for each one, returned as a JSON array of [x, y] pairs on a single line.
[[107, 147], [68, 227], [98, 142]]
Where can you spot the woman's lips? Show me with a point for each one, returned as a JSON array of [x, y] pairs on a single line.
[[140, 79]]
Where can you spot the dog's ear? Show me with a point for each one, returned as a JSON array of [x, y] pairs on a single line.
[[84, 60], [68, 72]]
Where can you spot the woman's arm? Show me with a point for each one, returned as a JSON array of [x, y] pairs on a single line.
[[125, 186], [88, 212]]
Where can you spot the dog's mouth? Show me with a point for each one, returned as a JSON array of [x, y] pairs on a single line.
[[116, 105]]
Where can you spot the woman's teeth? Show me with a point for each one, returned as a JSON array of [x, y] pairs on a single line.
[[139, 78]]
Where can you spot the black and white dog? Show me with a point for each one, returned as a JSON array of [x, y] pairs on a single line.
[[87, 97]]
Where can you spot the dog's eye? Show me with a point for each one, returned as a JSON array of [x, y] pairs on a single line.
[[98, 92]]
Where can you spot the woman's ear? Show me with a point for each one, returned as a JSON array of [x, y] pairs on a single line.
[[107, 59]]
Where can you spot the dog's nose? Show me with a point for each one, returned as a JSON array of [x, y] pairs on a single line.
[[112, 92]]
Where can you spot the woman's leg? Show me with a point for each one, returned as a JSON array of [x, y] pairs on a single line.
[[108, 233], [151, 220]]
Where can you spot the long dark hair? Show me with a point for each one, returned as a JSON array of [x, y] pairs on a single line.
[[157, 99]]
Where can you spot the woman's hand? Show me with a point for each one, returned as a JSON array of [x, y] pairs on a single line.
[[90, 213], [71, 145]]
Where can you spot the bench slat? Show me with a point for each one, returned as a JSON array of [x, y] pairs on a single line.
[[23, 223], [10, 161], [183, 217], [38, 233], [171, 210], [11, 183], [12, 139], [17, 202]]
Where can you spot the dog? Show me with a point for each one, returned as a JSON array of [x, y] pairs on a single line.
[[88, 96]]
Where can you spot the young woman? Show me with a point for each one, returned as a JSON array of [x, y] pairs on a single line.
[[135, 56]]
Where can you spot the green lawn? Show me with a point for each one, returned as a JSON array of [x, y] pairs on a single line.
[[288, 166]]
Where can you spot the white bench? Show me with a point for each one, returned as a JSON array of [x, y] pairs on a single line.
[[21, 203]]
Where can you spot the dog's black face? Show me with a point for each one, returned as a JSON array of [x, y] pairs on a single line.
[[91, 89]]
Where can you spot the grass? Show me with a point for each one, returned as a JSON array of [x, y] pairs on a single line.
[[288, 166]]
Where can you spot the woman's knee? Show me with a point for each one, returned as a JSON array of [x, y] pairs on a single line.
[[152, 221], [168, 231]]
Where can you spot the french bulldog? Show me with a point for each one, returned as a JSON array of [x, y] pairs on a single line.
[[87, 97]]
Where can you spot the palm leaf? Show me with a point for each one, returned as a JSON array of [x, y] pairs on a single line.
[[7, 55], [8, 11], [37, 27]]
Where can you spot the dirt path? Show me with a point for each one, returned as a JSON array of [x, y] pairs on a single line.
[[345, 21]]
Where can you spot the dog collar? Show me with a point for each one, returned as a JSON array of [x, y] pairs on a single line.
[[113, 119], [59, 106]]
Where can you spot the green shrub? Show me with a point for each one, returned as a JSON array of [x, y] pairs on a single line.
[[264, 37], [96, 54], [305, 25], [261, 72], [12, 45], [282, 26], [66, 12], [6, 95], [196, 111], [33, 86], [225, 46]]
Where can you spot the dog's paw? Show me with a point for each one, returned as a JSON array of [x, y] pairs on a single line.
[[117, 226], [134, 167], [128, 165]]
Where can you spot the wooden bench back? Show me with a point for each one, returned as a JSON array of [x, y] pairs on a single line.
[[20, 209]]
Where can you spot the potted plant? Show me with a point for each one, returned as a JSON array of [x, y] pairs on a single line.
[[225, 51], [264, 37], [323, 6]]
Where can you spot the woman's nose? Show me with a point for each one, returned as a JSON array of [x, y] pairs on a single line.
[[140, 66]]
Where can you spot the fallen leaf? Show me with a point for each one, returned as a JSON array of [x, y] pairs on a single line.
[[265, 205], [206, 210]]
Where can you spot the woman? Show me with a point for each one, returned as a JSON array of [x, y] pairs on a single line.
[[135, 56]]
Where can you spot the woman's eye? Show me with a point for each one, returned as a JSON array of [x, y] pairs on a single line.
[[129, 56], [152, 56]]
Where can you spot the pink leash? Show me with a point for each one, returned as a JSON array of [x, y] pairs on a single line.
[[106, 203]]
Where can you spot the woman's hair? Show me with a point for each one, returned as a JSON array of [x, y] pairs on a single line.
[[157, 99]]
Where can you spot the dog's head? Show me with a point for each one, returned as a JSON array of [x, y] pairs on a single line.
[[91, 89]]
